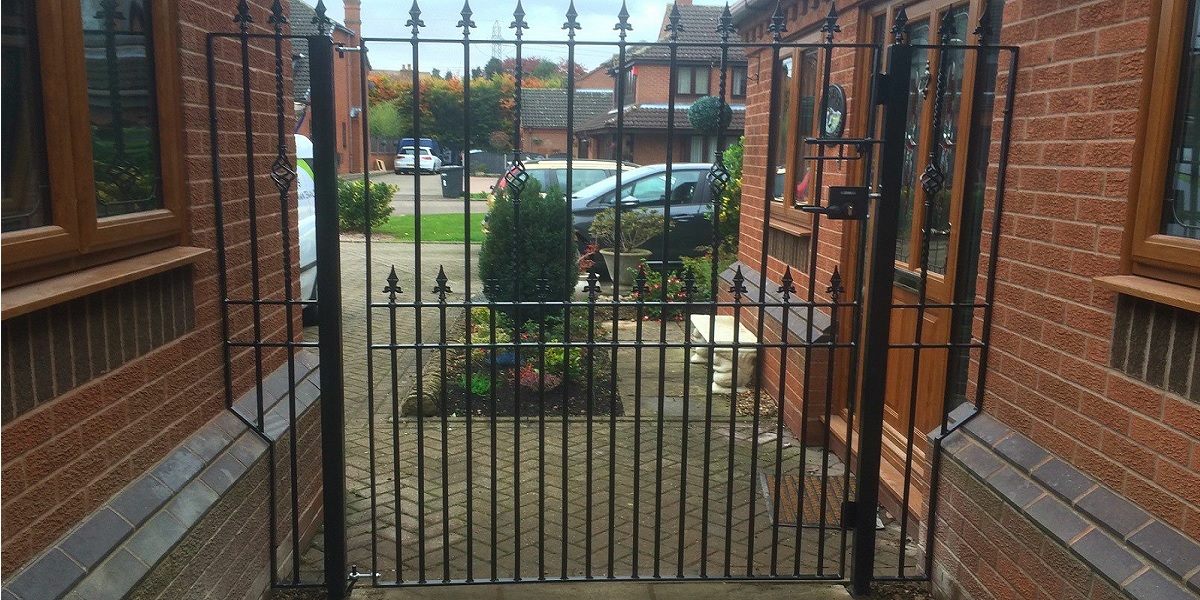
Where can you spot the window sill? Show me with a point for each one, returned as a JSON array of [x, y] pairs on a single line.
[[34, 296], [1172, 294]]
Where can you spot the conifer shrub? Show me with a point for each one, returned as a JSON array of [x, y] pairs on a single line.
[[530, 259]]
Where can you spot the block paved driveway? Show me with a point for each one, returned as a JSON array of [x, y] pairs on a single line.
[[546, 497]]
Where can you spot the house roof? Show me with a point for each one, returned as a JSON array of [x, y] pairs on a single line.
[[654, 116], [547, 108], [699, 26], [300, 18]]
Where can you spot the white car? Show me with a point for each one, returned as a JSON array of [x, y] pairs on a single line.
[[405, 158], [307, 226]]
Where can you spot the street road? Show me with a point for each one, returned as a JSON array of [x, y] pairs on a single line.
[[432, 202]]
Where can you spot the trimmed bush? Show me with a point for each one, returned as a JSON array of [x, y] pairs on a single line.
[[352, 205], [533, 260]]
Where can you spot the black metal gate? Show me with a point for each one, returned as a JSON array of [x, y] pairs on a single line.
[[496, 411]]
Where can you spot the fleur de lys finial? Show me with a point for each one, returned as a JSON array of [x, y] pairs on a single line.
[[593, 286], [898, 26], [519, 22], [787, 285], [689, 284], [985, 31], [466, 23], [640, 289], [777, 26], [623, 25], [674, 22], [242, 18], [835, 288], [490, 287], [323, 22], [831, 26], [725, 25], [738, 289], [393, 285], [441, 289], [572, 24], [414, 21], [278, 19], [946, 29]]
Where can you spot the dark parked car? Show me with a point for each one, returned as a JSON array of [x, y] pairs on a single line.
[[647, 187]]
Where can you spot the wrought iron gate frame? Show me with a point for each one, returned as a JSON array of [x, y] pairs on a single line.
[[874, 292]]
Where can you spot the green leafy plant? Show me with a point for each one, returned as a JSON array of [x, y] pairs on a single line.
[[637, 228], [353, 202], [480, 384], [675, 294], [556, 359], [729, 205], [531, 259]]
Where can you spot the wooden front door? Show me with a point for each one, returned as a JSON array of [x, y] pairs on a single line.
[[938, 125]]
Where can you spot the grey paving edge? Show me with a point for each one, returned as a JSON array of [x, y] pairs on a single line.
[[111, 550], [1111, 535]]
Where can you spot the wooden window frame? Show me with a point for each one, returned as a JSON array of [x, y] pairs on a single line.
[[692, 70], [1149, 253], [734, 90], [791, 219], [77, 238], [939, 286]]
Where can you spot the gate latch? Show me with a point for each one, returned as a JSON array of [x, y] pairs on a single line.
[[845, 203]]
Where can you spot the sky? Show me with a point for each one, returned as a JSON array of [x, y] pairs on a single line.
[[386, 18]]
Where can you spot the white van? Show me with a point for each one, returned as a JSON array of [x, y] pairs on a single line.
[[307, 225]]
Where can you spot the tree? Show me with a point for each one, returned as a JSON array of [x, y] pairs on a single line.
[[385, 120], [493, 67], [436, 73]]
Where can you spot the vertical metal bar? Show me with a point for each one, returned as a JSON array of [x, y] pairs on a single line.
[[932, 186], [518, 264], [571, 26], [786, 288], [467, 24], [673, 27], [284, 174], [370, 324], [244, 21], [622, 27], [857, 301], [219, 219], [893, 93], [329, 290], [829, 28], [416, 23], [441, 290], [393, 289]]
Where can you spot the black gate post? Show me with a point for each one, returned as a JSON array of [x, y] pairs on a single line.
[[329, 294], [892, 92]]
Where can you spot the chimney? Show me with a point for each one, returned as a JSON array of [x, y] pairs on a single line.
[[679, 2], [353, 17]]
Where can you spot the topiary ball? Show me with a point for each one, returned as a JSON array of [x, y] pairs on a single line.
[[709, 115]]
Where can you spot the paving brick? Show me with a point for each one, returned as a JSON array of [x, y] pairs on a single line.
[[1107, 555], [1168, 547], [95, 537], [47, 577]]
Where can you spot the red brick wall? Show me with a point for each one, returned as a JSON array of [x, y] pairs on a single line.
[[987, 550], [654, 84], [1077, 105], [66, 457], [552, 141]]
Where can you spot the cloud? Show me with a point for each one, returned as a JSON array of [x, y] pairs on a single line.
[[387, 18]]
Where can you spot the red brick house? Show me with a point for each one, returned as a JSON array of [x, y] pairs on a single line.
[[350, 103], [544, 118], [647, 80], [1078, 479], [124, 471]]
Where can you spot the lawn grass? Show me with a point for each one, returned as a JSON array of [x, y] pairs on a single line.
[[434, 228]]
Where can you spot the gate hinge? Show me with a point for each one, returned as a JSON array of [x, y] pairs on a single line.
[[353, 577]]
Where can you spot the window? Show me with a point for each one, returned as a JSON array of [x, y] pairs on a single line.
[[1165, 228], [692, 81], [798, 73], [737, 84], [84, 175]]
